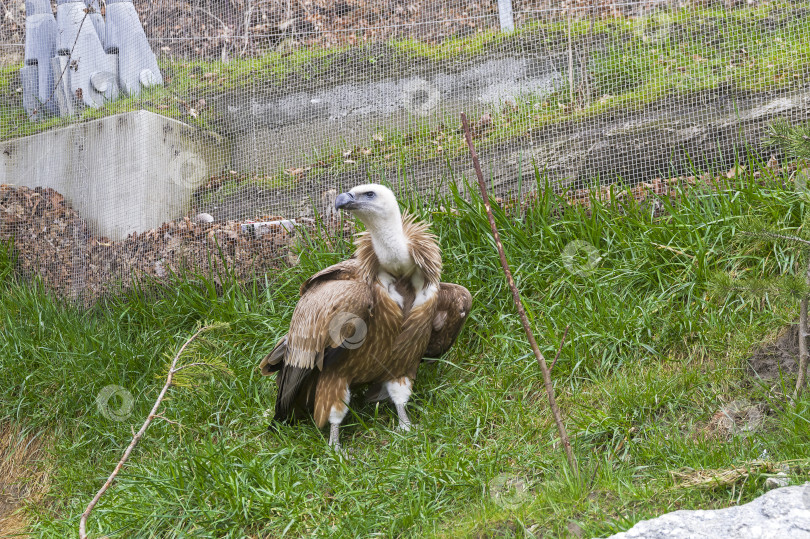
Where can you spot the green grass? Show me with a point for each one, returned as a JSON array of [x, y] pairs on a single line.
[[649, 359]]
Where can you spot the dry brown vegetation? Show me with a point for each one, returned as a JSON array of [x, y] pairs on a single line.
[[25, 476]]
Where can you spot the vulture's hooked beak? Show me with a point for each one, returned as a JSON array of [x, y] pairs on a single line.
[[345, 201]]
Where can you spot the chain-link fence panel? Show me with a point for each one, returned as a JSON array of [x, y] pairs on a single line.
[[145, 138]]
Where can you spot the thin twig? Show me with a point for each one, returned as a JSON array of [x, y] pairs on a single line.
[[672, 249], [555, 410], [248, 15], [593, 476], [562, 342], [225, 26], [138, 435], [167, 420]]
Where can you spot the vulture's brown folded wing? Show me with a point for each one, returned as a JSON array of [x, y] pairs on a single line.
[[452, 309], [342, 271], [273, 361], [328, 320]]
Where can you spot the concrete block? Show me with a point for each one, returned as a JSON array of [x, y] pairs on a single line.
[[137, 64], [40, 47], [88, 61], [124, 173], [270, 135]]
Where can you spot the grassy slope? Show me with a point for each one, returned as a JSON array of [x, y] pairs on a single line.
[[684, 51], [649, 360]]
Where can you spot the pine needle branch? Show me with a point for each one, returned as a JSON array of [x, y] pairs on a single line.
[[771, 235], [137, 436], [791, 286], [793, 140]]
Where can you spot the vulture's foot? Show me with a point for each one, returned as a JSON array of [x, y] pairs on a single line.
[[334, 443], [405, 424], [334, 436]]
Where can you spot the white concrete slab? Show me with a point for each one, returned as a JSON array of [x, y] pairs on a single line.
[[124, 173]]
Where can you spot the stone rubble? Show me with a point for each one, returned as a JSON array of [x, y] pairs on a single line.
[[782, 513]]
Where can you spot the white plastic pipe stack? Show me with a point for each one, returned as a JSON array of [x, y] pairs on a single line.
[[40, 47], [137, 65]]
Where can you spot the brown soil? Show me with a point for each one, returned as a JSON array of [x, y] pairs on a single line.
[[779, 358]]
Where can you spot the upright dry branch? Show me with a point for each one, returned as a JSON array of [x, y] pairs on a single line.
[[555, 410], [152, 415], [802, 348]]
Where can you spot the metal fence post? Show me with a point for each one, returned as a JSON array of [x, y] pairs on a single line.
[[505, 15]]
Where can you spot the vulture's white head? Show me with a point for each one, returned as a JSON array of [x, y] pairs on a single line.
[[376, 206]]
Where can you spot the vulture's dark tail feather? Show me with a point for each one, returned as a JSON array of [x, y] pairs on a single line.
[[290, 382]]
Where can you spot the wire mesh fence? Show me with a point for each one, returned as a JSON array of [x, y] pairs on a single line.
[[255, 114]]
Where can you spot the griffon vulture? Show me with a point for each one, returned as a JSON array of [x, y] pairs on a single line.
[[367, 320]]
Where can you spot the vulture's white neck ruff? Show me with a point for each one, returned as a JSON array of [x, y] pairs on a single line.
[[390, 244]]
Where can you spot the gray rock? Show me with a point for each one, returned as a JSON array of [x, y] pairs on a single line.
[[779, 480], [778, 514]]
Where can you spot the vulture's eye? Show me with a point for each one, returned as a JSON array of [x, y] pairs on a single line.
[[369, 194]]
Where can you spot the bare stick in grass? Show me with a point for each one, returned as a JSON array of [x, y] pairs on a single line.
[[760, 231], [555, 410], [137, 437], [562, 342]]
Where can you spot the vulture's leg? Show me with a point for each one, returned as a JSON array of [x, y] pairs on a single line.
[[334, 438], [400, 392], [336, 415]]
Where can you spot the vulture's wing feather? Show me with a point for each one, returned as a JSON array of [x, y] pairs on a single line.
[[342, 271], [272, 362], [292, 381], [329, 314], [452, 308], [345, 270]]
